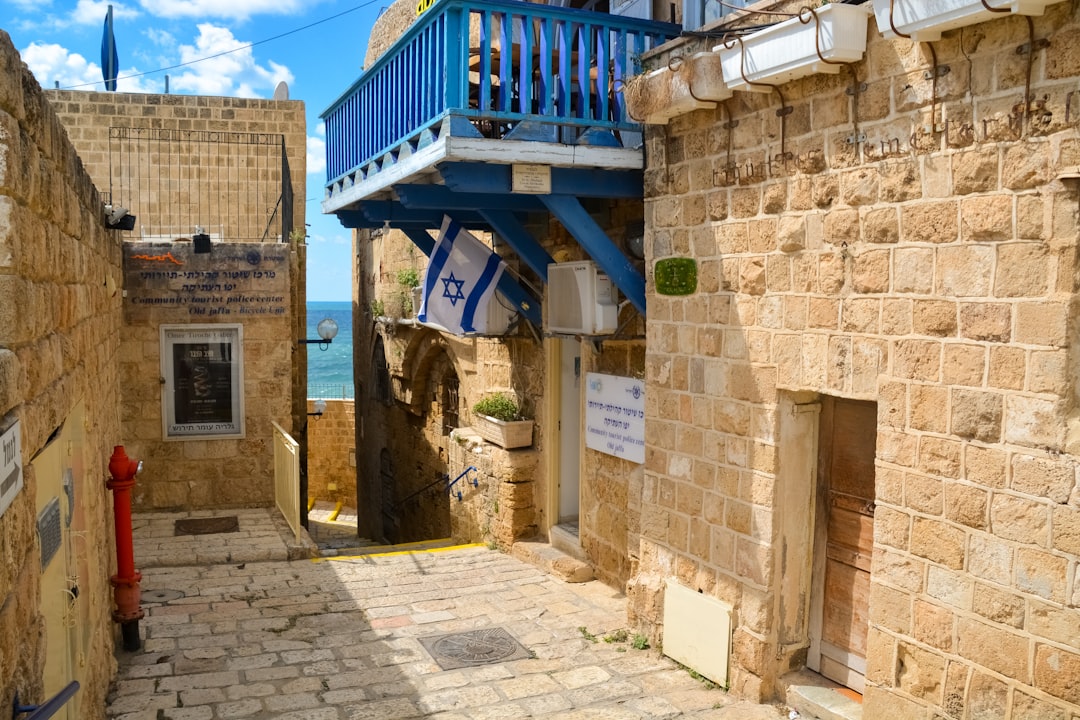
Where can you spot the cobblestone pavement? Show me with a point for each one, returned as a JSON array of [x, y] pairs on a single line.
[[340, 639]]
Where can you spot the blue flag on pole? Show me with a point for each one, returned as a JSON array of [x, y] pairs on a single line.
[[459, 282], [109, 59]]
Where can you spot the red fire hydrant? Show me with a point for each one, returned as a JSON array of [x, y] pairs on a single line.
[[125, 582]]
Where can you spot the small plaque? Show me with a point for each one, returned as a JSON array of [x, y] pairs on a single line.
[[532, 179], [11, 475]]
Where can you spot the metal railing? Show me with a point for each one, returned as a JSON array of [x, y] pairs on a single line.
[[237, 186], [330, 391], [287, 477], [497, 63]]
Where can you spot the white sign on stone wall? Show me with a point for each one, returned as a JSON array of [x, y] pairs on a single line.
[[615, 416], [11, 475]]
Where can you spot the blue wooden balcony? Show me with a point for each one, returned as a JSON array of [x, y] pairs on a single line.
[[481, 70], [475, 87]]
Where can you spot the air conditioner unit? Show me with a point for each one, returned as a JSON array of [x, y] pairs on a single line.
[[581, 300]]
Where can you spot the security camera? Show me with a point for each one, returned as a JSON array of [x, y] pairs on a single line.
[[118, 217], [115, 213]]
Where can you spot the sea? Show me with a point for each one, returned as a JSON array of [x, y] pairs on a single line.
[[330, 371]]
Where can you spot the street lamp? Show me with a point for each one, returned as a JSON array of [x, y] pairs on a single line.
[[327, 330]]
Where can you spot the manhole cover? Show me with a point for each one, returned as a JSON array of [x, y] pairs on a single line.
[[159, 596], [207, 526], [476, 647]]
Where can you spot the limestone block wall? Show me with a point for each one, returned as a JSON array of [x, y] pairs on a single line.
[[332, 452], [246, 284], [60, 321], [929, 267], [501, 509], [179, 160]]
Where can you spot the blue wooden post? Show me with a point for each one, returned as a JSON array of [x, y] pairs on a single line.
[[485, 61], [546, 86], [506, 61], [585, 47], [525, 63], [456, 64]]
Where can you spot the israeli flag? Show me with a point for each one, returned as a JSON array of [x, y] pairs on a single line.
[[459, 282]]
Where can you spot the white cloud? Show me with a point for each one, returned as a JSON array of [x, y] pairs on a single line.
[[233, 9], [53, 63], [92, 12], [316, 155], [335, 239], [161, 38], [236, 74]]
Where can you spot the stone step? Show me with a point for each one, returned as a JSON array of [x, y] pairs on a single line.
[[367, 548], [817, 698], [552, 561]]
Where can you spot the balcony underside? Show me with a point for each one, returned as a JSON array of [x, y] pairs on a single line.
[[455, 139]]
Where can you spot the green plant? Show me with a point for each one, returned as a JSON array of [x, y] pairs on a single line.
[[586, 634], [377, 308], [640, 642], [499, 406], [297, 235], [409, 277], [619, 636]]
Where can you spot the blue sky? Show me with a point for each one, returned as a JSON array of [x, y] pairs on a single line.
[[61, 42]]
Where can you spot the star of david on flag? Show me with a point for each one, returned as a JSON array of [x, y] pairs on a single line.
[[459, 282]]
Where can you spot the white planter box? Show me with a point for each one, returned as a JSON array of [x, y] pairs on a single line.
[[509, 435], [924, 21], [788, 51]]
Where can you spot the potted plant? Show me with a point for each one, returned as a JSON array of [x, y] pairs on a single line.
[[499, 421]]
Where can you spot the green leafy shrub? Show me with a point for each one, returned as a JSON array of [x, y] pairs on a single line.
[[499, 406]]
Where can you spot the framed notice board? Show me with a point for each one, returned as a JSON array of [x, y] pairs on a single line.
[[203, 393]]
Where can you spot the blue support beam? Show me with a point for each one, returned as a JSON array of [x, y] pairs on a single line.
[[511, 289], [440, 197], [599, 246], [376, 213], [579, 182], [507, 227]]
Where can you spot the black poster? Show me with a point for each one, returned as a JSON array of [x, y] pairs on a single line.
[[203, 382]]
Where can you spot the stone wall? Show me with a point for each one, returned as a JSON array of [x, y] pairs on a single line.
[[246, 284], [164, 157], [168, 198], [931, 268], [60, 323], [332, 453]]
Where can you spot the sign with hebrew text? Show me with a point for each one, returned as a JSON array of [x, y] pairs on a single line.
[[615, 416]]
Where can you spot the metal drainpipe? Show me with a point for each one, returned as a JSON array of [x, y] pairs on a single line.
[[126, 580]]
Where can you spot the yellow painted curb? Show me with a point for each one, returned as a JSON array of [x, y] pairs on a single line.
[[336, 511], [398, 552]]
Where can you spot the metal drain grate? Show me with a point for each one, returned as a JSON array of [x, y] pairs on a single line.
[[476, 647], [206, 526]]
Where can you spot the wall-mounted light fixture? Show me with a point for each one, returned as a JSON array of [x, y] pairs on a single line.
[[320, 408], [327, 330]]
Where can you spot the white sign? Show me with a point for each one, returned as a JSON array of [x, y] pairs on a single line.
[[615, 416], [11, 475], [535, 179], [203, 394]]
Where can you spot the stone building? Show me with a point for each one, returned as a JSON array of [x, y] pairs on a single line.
[[235, 168], [859, 370], [81, 337]]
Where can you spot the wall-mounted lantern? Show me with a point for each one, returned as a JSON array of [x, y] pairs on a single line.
[[327, 330]]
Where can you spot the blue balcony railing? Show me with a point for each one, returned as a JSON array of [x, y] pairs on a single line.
[[496, 63]]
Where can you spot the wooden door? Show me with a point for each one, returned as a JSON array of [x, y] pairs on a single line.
[[844, 540]]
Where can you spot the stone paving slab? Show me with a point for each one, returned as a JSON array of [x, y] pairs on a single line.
[[339, 639], [263, 535]]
